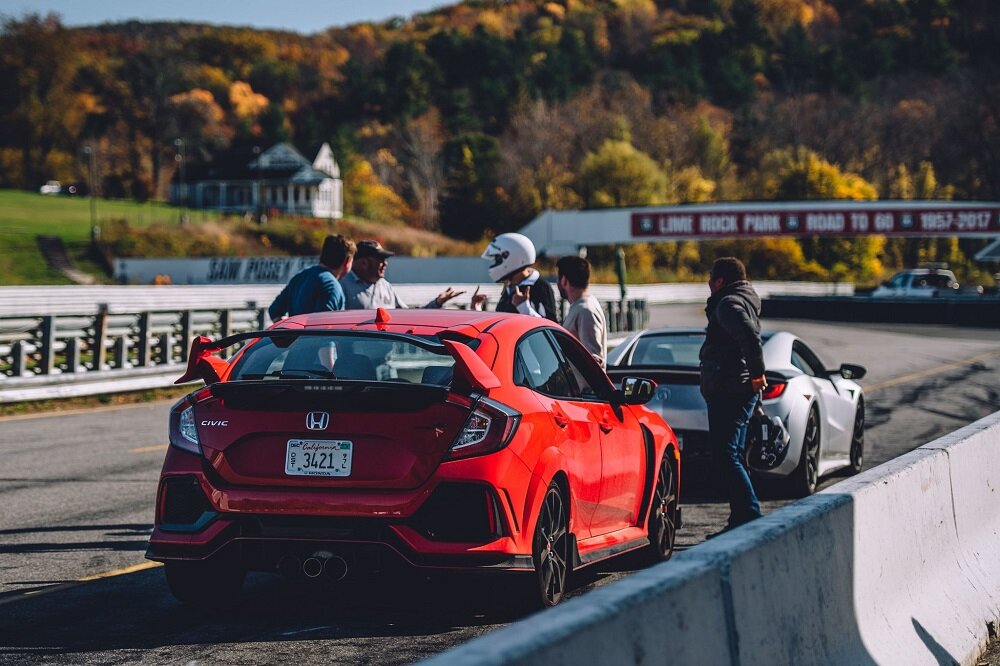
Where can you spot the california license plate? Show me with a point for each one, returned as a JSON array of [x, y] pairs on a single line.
[[318, 457]]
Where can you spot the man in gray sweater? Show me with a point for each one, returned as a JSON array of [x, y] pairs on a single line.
[[585, 318]]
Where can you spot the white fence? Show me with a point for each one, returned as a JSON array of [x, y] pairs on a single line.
[[46, 300]]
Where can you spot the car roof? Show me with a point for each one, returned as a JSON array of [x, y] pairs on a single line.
[[402, 319], [925, 271], [670, 330]]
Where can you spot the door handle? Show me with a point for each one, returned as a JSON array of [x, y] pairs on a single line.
[[605, 427], [560, 420]]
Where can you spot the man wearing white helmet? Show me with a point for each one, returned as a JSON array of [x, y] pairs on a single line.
[[511, 257]]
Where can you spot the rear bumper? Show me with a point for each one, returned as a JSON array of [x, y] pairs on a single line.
[[260, 544], [462, 518], [693, 444]]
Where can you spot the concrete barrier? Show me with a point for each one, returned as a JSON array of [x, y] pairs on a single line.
[[647, 618], [898, 565]]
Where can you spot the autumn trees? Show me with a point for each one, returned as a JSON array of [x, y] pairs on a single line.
[[475, 117]]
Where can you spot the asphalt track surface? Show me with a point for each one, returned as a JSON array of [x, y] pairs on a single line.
[[76, 507]]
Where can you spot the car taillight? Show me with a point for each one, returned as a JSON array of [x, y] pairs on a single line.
[[774, 390], [183, 429], [489, 428]]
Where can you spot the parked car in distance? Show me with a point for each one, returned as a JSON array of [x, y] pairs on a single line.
[[51, 187], [823, 409], [350, 443], [918, 283]]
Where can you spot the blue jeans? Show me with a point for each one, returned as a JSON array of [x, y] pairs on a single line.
[[728, 418]]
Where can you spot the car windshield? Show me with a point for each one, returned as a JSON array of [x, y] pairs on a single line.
[[351, 356], [933, 281], [677, 349]]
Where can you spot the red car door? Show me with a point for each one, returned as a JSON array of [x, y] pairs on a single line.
[[540, 368], [623, 455]]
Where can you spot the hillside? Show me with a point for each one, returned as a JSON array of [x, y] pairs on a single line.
[[129, 229], [473, 118]]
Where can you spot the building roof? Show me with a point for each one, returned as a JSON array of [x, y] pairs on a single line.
[[281, 162]]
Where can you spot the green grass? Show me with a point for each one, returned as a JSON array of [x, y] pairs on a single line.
[[25, 215]]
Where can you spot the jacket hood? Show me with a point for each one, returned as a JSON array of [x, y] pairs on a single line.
[[742, 290]]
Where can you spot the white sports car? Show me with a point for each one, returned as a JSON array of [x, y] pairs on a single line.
[[824, 410]]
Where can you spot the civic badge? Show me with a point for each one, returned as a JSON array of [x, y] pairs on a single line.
[[317, 420]]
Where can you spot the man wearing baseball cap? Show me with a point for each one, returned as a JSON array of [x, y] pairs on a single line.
[[366, 288]]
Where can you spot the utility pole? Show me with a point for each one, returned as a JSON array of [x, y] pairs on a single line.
[[95, 232], [182, 189], [256, 188]]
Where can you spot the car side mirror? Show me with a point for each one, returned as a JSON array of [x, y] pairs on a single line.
[[852, 371], [635, 391]]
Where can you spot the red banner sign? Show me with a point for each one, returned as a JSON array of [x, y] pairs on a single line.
[[974, 220]]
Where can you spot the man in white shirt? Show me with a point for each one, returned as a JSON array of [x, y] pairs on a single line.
[[585, 318], [365, 286]]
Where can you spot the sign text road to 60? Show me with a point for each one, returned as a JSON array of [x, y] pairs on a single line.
[[846, 221]]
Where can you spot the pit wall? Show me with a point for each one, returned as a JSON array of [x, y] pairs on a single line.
[[898, 565]]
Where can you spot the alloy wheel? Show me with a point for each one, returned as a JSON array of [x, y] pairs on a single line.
[[858, 440], [811, 445], [805, 477], [551, 547], [663, 516]]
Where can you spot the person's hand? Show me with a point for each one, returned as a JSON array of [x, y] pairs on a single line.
[[759, 383], [447, 295], [520, 296], [479, 300]]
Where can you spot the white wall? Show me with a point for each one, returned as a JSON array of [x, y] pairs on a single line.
[[897, 565]]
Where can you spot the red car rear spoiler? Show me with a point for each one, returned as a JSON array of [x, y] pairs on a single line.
[[472, 368], [204, 365]]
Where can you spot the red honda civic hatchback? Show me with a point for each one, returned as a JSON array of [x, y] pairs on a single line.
[[341, 443]]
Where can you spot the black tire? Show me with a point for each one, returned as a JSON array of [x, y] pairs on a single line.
[[858, 441], [550, 548], [206, 583], [662, 524], [805, 477]]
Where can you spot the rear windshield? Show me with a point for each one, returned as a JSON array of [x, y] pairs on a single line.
[[671, 349], [345, 356]]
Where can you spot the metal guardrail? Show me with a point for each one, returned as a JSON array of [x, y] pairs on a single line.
[[41, 356], [53, 345]]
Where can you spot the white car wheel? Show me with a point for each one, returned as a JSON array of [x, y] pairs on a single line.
[[805, 477]]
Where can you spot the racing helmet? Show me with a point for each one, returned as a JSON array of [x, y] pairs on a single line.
[[508, 253], [767, 442]]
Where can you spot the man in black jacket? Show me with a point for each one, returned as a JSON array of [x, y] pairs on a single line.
[[732, 377]]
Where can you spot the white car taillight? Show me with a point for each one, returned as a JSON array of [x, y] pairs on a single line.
[[184, 431]]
